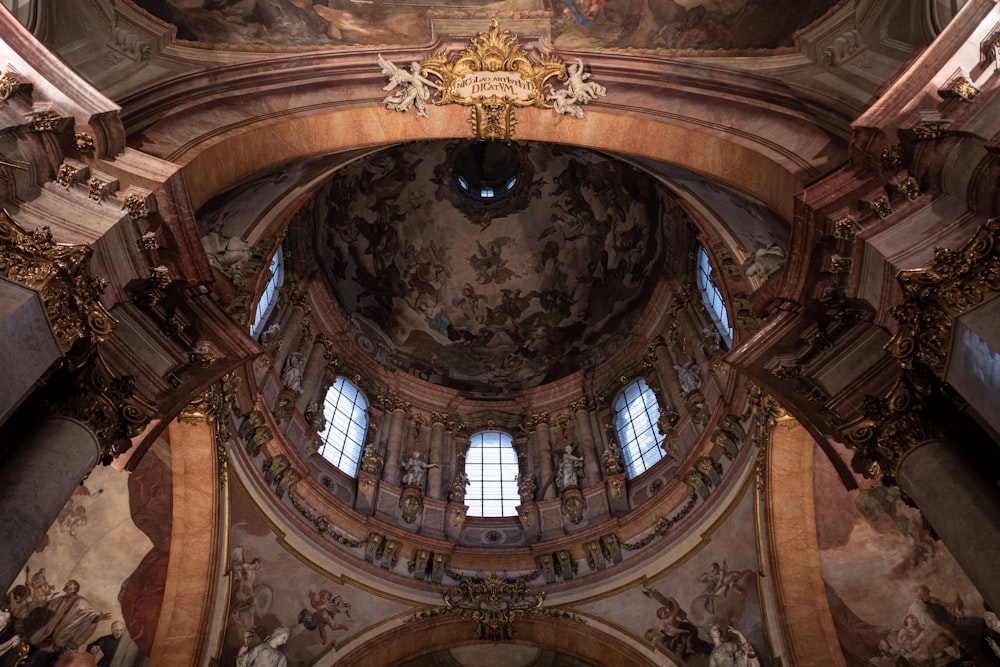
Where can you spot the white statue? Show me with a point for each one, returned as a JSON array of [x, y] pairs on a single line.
[[266, 654], [416, 471], [570, 469], [689, 376], [731, 649], [577, 91], [408, 88], [765, 261], [291, 377]]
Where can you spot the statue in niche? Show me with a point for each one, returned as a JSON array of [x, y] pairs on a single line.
[[764, 262], [416, 471], [291, 376], [689, 376], [570, 469]]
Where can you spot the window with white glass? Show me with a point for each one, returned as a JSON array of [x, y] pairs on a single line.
[[491, 464], [268, 297], [346, 412], [712, 297], [636, 415]]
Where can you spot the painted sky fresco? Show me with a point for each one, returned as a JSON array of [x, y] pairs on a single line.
[[493, 303], [702, 25], [897, 595]]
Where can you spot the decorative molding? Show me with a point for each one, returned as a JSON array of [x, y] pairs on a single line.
[[493, 75], [936, 296], [493, 604], [61, 274]]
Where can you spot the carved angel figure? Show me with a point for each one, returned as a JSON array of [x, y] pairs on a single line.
[[577, 91], [407, 87]]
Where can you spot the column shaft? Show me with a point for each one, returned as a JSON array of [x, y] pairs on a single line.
[[36, 481], [960, 505]]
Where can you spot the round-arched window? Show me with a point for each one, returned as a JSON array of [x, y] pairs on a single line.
[[346, 412], [636, 415], [491, 465]]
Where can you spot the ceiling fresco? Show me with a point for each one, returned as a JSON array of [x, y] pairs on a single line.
[[493, 298], [726, 25]]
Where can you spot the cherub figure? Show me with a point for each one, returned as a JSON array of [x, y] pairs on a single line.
[[325, 606], [408, 87]]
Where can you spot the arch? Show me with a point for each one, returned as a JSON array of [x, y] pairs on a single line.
[[660, 118], [491, 464], [636, 415], [583, 641], [345, 408]]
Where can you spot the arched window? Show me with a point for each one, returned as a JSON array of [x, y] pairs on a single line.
[[636, 415], [712, 297], [346, 412], [269, 296], [491, 465]]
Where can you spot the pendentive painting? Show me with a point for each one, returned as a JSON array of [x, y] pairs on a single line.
[[707, 611], [278, 604], [897, 596], [69, 607]]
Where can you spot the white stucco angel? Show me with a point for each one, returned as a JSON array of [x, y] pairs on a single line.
[[407, 87], [577, 91]]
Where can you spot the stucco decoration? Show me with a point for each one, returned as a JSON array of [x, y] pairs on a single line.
[[492, 294]]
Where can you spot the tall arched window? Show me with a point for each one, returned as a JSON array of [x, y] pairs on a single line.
[[491, 465], [269, 296], [636, 415], [346, 412], [712, 297]]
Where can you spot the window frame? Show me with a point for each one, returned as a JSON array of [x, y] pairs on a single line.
[[711, 296], [636, 455], [349, 427], [269, 296], [506, 463]]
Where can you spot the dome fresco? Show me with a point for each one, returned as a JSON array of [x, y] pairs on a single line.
[[493, 299]]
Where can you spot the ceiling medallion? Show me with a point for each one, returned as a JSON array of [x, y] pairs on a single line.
[[494, 75]]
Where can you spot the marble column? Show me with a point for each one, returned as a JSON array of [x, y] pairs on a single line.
[[291, 328], [436, 455], [588, 448], [663, 360], [394, 445], [29, 345], [36, 481], [543, 445], [313, 376], [961, 506]]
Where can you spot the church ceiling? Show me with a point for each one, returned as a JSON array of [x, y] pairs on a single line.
[[493, 295], [711, 25]]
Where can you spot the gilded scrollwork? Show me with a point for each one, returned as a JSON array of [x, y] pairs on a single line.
[[105, 402], [494, 75], [936, 296], [61, 273], [493, 603], [215, 406]]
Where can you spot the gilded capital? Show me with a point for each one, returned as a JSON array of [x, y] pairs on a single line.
[[61, 274], [936, 296], [214, 406], [106, 403], [890, 425]]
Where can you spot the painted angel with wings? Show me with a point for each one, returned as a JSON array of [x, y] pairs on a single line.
[[408, 88]]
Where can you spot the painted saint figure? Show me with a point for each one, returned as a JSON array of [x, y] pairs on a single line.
[[266, 654]]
